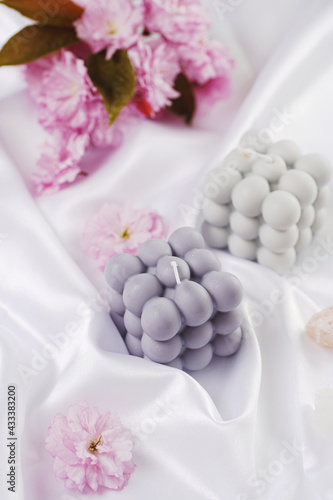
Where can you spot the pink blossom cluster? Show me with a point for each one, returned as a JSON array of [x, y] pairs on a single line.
[[90, 450], [72, 111], [163, 38]]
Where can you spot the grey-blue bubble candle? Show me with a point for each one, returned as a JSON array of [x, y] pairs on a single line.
[[173, 304]]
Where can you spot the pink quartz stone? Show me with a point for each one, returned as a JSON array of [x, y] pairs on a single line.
[[320, 327]]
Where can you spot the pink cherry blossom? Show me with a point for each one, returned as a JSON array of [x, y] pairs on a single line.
[[209, 65], [118, 229], [63, 90], [205, 61], [59, 162], [105, 135], [180, 21], [156, 65], [34, 74], [72, 110], [105, 24], [90, 449]]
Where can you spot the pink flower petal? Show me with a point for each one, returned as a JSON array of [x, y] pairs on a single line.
[[180, 21], [92, 476], [106, 26], [208, 65], [156, 65]]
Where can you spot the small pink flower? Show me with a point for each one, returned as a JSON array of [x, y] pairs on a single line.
[[205, 61], [103, 134], [34, 74], [118, 229], [180, 21], [90, 450], [156, 65], [105, 24], [63, 90], [208, 65], [59, 162]]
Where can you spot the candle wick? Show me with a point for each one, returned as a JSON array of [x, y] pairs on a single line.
[[175, 270], [246, 152]]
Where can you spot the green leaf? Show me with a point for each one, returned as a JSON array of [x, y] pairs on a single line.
[[34, 42], [51, 12], [114, 79], [184, 105]]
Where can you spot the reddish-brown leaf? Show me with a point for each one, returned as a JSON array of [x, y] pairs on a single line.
[[34, 42], [50, 12]]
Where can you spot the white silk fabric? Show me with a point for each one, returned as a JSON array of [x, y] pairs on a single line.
[[254, 426]]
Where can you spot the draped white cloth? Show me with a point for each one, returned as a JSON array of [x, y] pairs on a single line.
[[255, 426]]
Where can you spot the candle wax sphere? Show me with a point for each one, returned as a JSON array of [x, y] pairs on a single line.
[[239, 160], [225, 289], [215, 237], [119, 268], [215, 214], [307, 218], [184, 239], [138, 290], [300, 184], [197, 359], [119, 322], [176, 363], [165, 271], [152, 250], [226, 323], [116, 302], [322, 198], [198, 336], [270, 168], [244, 249], [281, 210], [133, 344], [161, 352], [133, 324], [183, 349], [279, 262], [304, 239], [219, 184], [316, 165], [194, 303], [319, 221], [201, 261], [256, 139], [227, 345], [169, 293], [161, 319], [246, 227], [288, 150], [249, 194], [278, 241]]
